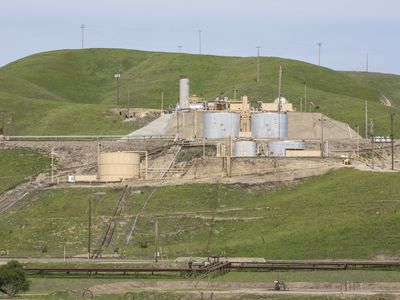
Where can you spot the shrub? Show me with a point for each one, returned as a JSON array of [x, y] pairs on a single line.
[[13, 279]]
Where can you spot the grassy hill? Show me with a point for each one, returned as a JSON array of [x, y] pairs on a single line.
[[73, 91], [336, 215], [19, 164], [386, 84]]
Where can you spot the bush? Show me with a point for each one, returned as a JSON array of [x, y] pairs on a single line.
[[12, 279]]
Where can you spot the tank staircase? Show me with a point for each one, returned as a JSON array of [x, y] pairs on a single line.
[[108, 235]]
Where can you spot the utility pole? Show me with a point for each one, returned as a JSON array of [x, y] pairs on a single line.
[[180, 48], [98, 158], [83, 28], [89, 225], [162, 102], [117, 76], [128, 115], [366, 119], [52, 165], [367, 63], [322, 136], [319, 53], [279, 102], [358, 142], [392, 137], [305, 97], [156, 239], [199, 41], [258, 63], [373, 143]]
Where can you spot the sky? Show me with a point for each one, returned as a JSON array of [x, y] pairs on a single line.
[[347, 29]]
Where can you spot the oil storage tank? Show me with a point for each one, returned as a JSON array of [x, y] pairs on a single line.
[[244, 149], [219, 125], [269, 125], [117, 166], [278, 148]]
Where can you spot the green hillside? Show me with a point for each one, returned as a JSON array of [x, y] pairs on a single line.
[[18, 165], [386, 84], [336, 215], [73, 91]]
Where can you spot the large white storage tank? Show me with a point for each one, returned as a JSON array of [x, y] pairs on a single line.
[[219, 125], [117, 166], [278, 148], [184, 92], [269, 125], [244, 149]]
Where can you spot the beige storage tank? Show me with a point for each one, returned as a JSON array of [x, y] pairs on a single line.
[[117, 166]]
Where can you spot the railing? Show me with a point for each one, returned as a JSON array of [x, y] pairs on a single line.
[[75, 138]]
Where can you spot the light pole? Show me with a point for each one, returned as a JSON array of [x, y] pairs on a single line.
[[322, 136], [83, 28], [258, 63], [117, 76], [199, 41], [305, 97], [319, 53], [392, 137]]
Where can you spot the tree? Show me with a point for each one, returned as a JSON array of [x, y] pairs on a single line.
[[12, 279]]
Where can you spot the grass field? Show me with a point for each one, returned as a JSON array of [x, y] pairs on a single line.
[[55, 286], [73, 91], [387, 84], [18, 164], [336, 215]]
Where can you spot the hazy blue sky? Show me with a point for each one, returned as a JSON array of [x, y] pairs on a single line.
[[348, 29]]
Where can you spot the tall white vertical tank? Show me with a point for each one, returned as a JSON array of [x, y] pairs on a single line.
[[184, 92], [219, 125], [244, 149], [269, 125]]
